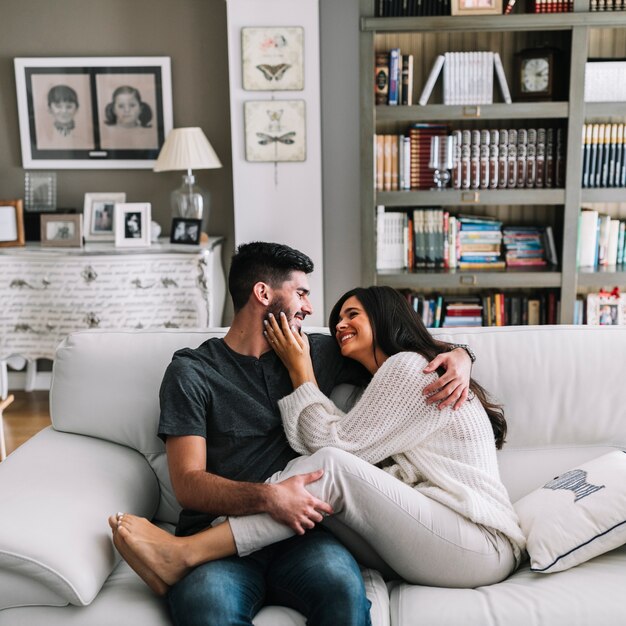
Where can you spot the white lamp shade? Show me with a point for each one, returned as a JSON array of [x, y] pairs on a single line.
[[186, 149]]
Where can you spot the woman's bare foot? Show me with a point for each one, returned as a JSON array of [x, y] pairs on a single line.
[[159, 552], [145, 573]]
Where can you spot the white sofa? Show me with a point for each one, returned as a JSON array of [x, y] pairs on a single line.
[[562, 390]]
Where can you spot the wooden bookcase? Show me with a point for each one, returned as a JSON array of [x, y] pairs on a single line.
[[581, 35]]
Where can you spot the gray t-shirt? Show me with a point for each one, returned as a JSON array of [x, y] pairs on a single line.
[[231, 400]]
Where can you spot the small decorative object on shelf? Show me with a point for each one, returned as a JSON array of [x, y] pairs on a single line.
[[185, 231], [535, 74], [441, 159], [132, 224], [476, 7], [40, 191], [62, 230], [606, 308]]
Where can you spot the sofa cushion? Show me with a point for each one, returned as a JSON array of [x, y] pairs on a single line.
[[57, 492], [589, 595], [577, 515]]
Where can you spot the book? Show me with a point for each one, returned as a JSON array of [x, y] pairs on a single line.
[[407, 80], [587, 238], [381, 78], [394, 76], [432, 79], [497, 63]]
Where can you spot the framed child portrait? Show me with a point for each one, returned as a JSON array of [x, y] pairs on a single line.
[[62, 230], [99, 215], [606, 309], [93, 112], [11, 223], [132, 224]]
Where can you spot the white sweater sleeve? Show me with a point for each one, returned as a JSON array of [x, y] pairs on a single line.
[[391, 417]]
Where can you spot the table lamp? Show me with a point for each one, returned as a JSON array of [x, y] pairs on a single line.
[[188, 149]]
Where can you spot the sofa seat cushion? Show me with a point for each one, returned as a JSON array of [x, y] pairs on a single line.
[[591, 593], [55, 542]]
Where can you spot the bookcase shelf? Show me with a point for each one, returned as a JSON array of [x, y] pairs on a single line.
[[477, 197], [450, 279], [577, 34], [443, 112]]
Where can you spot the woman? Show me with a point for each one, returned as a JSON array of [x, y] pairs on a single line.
[[436, 512]]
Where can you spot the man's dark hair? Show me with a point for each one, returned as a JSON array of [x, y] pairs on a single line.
[[271, 263]]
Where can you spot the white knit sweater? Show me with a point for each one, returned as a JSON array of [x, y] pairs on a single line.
[[448, 455]]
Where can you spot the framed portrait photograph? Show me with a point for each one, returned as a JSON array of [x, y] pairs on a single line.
[[186, 231], [40, 191], [476, 7], [93, 112], [64, 230], [605, 309], [275, 130], [273, 58], [99, 215], [132, 224], [11, 223]]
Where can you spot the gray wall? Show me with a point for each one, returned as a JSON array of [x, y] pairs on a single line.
[[193, 34]]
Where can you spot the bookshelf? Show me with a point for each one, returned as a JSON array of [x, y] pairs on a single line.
[[580, 35]]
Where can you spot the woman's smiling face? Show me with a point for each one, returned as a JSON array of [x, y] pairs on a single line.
[[354, 331]]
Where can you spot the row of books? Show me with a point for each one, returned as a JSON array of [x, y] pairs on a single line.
[[489, 309], [393, 78], [601, 240], [412, 8], [432, 238], [551, 6], [467, 78], [607, 5], [478, 159], [604, 155]]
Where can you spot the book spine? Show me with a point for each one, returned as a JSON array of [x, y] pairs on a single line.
[[531, 158], [475, 160], [407, 79], [394, 76], [432, 79], [380, 161], [381, 78], [540, 159]]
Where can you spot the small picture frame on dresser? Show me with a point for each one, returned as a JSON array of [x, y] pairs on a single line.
[[99, 215], [11, 223], [186, 231], [132, 224], [62, 230]]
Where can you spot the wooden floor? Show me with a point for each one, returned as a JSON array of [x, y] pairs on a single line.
[[28, 414]]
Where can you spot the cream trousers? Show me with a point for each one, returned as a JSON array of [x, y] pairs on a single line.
[[423, 541]]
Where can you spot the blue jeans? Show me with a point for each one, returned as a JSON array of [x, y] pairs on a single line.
[[313, 574]]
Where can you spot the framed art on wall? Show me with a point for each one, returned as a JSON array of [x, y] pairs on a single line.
[[93, 112], [275, 130], [64, 230], [132, 224], [273, 58], [11, 223], [99, 215]]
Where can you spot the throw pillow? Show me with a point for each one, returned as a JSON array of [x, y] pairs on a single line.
[[577, 515]]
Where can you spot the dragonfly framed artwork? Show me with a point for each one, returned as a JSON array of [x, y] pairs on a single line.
[[275, 130]]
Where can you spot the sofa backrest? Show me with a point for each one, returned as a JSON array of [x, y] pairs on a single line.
[[560, 386]]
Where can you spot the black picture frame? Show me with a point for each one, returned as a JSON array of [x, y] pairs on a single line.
[[186, 231], [93, 112]]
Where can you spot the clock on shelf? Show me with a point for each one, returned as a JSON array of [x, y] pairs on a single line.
[[534, 77]]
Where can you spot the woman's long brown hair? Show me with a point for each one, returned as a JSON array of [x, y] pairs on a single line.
[[396, 327]]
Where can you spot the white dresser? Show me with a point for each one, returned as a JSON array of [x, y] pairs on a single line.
[[46, 293]]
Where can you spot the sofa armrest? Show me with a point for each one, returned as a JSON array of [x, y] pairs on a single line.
[[57, 491]]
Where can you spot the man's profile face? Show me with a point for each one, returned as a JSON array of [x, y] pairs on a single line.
[[292, 297]]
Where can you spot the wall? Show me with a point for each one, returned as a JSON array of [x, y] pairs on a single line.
[[193, 33]]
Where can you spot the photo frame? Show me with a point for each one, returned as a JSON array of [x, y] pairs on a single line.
[[606, 309], [132, 224], [272, 58], [40, 191], [99, 215], [275, 130], [62, 230], [93, 112], [186, 231], [11, 223], [476, 7]]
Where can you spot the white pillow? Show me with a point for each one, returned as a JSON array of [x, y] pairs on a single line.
[[577, 515]]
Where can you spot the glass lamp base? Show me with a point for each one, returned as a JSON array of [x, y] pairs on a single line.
[[190, 200]]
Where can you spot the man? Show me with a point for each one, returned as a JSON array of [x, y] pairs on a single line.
[[224, 437]]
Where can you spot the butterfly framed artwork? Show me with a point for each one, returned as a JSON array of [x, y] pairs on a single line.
[[273, 58], [275, 130]]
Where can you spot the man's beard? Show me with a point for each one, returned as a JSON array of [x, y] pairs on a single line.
[[277, 306]]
